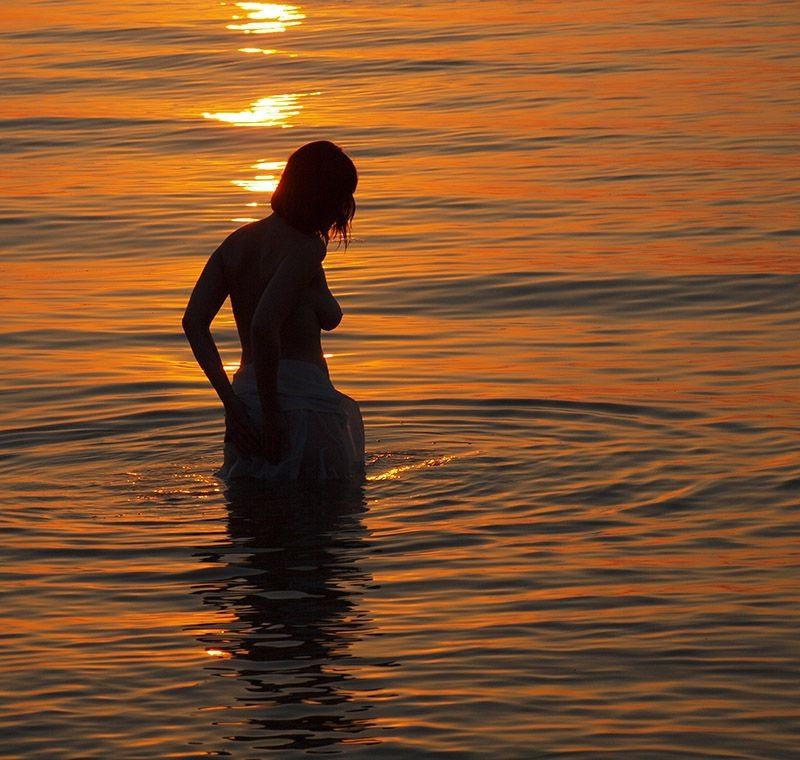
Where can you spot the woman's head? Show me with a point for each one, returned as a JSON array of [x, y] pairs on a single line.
[[315, 193]]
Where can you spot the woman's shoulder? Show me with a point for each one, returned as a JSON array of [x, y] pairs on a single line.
[[247, 233], [258, 248], [241, 241]]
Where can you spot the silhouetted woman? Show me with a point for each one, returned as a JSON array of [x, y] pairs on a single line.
[[284, 419]]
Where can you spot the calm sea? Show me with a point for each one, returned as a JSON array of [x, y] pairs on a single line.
[[572, 316]]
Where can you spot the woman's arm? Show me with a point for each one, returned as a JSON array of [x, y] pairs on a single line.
[[295, 271], [206, 300]]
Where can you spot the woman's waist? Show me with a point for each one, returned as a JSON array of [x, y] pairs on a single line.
[[319, 363], [296, 377], [311, 354]]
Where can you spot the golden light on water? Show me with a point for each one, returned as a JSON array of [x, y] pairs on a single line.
[[266, 18], [393, 473], [263, 183], [565, 443], [271, 111], [265, 51]]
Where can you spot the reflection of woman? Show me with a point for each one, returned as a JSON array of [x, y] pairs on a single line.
[[290, 587], [284, 418]]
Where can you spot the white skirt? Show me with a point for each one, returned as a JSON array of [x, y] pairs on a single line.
[[322, 434]]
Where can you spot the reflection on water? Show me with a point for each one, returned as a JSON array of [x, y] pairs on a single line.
[[578, 258], [267, 18], [263, 183], [272, 111], [288, 596], [393, 473], [264, 51]]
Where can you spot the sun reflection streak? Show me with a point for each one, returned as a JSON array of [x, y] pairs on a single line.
[[267, 18], [218, 653], [263, 183], [394, 473], [272, 111], [265, 51]]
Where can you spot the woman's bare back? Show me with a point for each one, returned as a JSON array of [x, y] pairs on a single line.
[[250, 257]]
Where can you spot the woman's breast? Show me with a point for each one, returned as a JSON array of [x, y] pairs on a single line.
[[326, 307]]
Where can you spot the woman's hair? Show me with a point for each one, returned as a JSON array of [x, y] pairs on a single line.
[[315, 192]]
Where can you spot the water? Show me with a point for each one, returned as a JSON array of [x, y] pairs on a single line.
[[571, 318]]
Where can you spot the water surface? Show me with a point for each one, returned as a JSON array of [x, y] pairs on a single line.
[[570, 318]]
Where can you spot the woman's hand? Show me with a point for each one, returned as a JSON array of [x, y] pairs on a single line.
[[270, 447], [240, 428]]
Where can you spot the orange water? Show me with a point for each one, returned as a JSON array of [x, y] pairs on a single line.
[[570, 318]]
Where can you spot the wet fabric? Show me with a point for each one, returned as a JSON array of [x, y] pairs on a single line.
[[322, 433]]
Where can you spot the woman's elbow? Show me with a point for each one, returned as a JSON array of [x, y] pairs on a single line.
[[195, 326], [191, 324]]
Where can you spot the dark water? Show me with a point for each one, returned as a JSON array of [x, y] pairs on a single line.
[[571, 319]]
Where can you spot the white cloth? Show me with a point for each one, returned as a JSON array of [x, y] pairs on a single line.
[[322, 434]]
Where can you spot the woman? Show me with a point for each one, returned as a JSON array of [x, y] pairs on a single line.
[[284, 419]]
